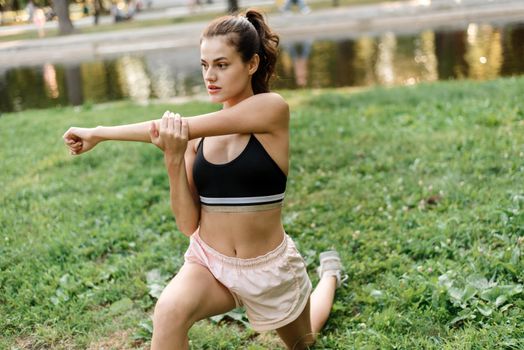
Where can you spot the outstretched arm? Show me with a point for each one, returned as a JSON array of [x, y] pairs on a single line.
[[80, 140], [261, 113]]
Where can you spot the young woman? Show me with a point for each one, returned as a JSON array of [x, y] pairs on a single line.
[[227, 172]]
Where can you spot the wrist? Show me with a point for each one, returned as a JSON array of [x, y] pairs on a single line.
[[173, 159], [97, 133]]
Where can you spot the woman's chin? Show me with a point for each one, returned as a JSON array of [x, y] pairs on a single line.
[[216, 99]]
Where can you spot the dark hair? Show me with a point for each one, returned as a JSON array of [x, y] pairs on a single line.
[[250, 35]]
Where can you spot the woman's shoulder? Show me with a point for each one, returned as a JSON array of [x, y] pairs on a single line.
[[273, 103], [271, 97]]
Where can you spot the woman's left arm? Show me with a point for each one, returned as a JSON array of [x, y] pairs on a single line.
[[261, 113]]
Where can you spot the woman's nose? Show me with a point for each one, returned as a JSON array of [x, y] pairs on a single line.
[[209, 75]]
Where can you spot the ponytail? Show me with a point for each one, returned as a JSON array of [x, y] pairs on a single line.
[[250, 35], [267, 51]]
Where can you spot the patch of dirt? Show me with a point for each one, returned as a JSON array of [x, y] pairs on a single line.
[[32, 343], [25, 343], [270, 340], [120, 340]]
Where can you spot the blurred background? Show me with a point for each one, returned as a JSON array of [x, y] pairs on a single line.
[[59, 52]]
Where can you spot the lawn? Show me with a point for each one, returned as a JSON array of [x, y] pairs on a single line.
[[420, 188]]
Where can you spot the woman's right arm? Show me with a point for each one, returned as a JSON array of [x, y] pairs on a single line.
[[179, 156], [184, 200], [81, 140]]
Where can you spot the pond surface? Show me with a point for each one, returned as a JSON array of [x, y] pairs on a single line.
[[476, 52]]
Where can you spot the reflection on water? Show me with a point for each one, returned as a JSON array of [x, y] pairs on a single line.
[[477, 52], [425, 55], [163, 82], [74, 84], [51, 86], [133, 79], [362, 63], [298, 53], [384, 68], [484, 51]]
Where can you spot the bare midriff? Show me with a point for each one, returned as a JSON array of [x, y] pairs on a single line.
[[242, 235]]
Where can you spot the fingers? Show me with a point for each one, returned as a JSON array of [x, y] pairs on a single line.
[[76, 145], [70, 137], [185, 129], [170, 124], [153, 131], [73, 142], [163, 123], [177, 121], [76, 148], [173, 130]]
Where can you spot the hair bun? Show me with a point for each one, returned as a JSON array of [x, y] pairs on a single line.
[[254, 17]]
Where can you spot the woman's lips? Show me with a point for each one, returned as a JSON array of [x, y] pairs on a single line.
[[212, 89]]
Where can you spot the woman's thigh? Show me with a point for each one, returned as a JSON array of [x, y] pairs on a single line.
[[298, 335], [194, 294]]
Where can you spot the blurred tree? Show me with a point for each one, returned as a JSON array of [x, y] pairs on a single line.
[[15, 5], [232, 6], [98, 8], [61, 8]]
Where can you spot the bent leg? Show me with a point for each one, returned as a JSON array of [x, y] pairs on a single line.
[[298, 334], [302, 332], [193, 294], [322, 301]]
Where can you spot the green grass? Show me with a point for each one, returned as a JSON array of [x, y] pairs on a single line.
[[419, 188]]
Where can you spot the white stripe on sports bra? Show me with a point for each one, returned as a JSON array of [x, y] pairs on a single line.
[[241, 200], [240, 208]]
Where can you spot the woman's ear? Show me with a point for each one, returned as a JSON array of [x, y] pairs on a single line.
[[253, 64]]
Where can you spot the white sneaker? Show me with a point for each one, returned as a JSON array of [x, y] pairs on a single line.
[[330, 265]]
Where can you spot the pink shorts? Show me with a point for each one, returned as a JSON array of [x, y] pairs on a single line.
[[274, 288]]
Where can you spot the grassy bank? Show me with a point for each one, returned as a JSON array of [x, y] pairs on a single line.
[[420, 188]]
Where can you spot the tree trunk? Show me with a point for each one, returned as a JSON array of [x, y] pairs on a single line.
[[99, 7], [232, 6], [61, 8]]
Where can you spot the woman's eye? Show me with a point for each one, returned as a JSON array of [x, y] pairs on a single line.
[[222, 65], [204, 66]]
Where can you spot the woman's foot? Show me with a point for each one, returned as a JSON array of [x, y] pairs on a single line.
[[331, 265]]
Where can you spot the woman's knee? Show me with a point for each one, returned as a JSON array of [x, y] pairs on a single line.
[[304, 342], [171, 311]]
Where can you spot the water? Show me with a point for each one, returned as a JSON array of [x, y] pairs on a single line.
[[477, 52]]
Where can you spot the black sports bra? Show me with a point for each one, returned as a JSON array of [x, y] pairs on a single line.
[[250, 182]]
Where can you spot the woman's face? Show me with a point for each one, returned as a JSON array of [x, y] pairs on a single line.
[[227, 77]]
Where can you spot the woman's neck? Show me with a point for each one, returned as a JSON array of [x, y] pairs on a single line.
[[237, 99]]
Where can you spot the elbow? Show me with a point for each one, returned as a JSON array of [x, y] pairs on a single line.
[[186, 231], [281, 107], [187, 228], [285, 111]]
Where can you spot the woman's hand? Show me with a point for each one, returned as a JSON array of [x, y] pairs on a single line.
[[80, 140], [171, 136]]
